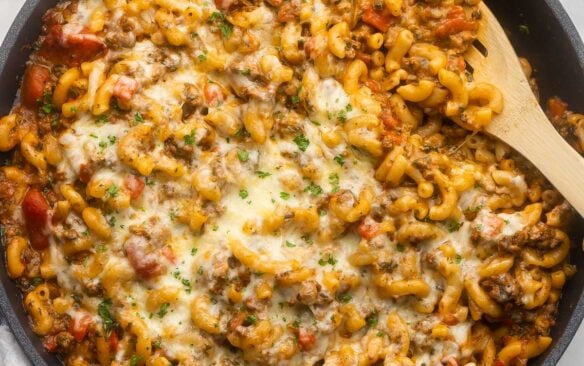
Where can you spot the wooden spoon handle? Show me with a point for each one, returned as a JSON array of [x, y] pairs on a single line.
[[536, 138]]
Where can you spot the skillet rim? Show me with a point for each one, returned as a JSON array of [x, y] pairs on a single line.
[[17, 320]]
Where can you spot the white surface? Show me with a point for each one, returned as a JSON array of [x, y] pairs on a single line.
[[572, 357]]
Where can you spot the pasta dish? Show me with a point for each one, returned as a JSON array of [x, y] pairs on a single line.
[[275, 183]]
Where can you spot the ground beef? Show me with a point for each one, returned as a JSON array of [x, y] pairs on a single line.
[[502, 288]]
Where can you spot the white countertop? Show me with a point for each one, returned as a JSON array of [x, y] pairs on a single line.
[[575, 353]]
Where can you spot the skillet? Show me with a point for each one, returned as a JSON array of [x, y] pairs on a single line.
[[540, 31]]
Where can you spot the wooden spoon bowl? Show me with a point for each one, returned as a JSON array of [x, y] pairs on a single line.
[[523, 125]]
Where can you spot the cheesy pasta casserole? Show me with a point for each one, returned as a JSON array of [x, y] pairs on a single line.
[[247, 182]]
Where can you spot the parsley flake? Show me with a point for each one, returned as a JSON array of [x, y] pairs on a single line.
[[190, 138], [243, 155], [344, 298], [113, 190], [163, 310], [314, 189], [262, 174], [302, 142], [104, 310]]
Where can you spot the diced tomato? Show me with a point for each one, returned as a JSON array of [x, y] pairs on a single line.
[[490, 225], [224, 4], [450, 319], [134, 185], [145, 264], [456, 12], [33, 85], [454, 26], [168, 254], [79, 324], [71, 44], [368, 229], [213, 94], [388, 120], [373, 85], [363, 57], [557, 107], [236, 321], [125, 88], [456, 22], [394, 137], [460, 63], [306, 339], [35, 209], [275, 3], [114, 341], [376, 20], [288, 12], [50, 343]]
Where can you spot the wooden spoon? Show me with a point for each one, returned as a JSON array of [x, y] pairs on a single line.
[[523, 125]]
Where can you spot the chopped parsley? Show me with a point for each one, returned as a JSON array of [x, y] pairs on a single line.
[[102, 119], [187, 284], [334, 181], [202, 57], [458, 258], [329, 260], [285, 195], [290, 244], [45, 103], [135, 360], [314, 189], [524, 29], [225, 27], [295, 99], [190, 138], [104, 310], [163, 310], [36, 281], [113, 190], [342, 116], [243, 194], [339, 160], [302, 142], [138, 118], [250, 320], [400, 248], [194, 251], [262, 174], [243, 155], [372, 319], [112, 139], [344, 298], [452, 225]]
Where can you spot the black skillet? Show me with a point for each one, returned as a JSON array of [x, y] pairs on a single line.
[[539, 30]]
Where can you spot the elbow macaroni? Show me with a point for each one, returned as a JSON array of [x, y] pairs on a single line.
[[278, 183]]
